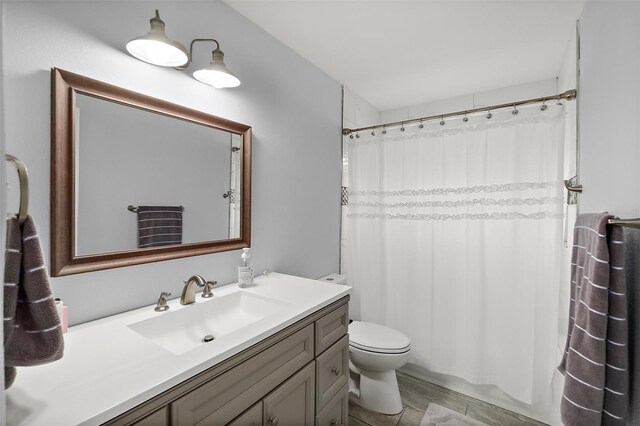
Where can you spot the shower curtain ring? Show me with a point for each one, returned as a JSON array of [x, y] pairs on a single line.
[[515, 110], [384, 130], [402, 128], [489, 115], [465, 118], [543, 107], [373, 131], [442, 120], [357, 135], [421, 125]]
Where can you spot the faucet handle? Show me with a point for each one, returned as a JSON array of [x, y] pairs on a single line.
[[207, 293], [162, 302]]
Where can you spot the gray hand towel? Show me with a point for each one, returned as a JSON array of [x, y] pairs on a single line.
[[32, 328], [595, 362], [159, 226]]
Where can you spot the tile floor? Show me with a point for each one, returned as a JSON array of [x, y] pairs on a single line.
[[416, 396]]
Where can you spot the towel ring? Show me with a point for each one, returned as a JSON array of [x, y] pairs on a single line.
[[24, 187]]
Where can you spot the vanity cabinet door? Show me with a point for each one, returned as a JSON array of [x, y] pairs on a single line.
[[292, 403], [251, 417], [332, 371], [336, 413], [331, 327]]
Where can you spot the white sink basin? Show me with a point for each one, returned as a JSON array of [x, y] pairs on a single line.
[[183, 330]]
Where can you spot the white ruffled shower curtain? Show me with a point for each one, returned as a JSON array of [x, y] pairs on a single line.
[[455, 239]]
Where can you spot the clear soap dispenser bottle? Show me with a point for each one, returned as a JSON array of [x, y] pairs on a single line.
[[245, 270]]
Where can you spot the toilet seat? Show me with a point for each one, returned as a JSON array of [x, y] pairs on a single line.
[[377, 338]]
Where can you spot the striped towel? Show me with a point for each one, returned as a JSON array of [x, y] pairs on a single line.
[[32, 329], [159, 226], [595, 362]]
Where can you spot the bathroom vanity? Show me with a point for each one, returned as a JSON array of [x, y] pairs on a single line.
[[282, 361]]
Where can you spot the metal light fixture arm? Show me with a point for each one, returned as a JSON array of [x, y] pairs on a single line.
[[183, 67]]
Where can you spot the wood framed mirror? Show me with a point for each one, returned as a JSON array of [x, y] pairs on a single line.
[[116, 154]]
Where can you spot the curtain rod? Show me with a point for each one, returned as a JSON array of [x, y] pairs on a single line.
[[568, 96]]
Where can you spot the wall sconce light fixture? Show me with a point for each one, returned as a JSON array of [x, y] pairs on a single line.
[[157, 49]]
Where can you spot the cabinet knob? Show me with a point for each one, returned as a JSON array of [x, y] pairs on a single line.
[[273, 421], [335, 371]]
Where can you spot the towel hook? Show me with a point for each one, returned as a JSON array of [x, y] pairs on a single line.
[[24, 187]]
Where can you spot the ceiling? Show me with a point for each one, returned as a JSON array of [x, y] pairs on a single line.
[[401, 53]]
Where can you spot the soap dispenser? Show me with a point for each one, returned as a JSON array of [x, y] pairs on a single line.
[[245, 270]]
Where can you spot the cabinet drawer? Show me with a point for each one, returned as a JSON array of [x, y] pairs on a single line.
[[157, 418], [220, 400], [336, 413], [332, 371], [291, 404], [251, 417], [331, 327]]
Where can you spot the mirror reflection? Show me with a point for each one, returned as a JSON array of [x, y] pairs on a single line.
[[144, 179]]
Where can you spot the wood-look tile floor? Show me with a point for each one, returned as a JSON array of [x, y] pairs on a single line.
[[416, 396]]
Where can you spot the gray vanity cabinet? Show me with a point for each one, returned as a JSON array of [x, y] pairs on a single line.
[[336, 412], [332, 371], [251, 417], [223, 398], [331, 327], [297, 377], [291, 404], [160, 417]]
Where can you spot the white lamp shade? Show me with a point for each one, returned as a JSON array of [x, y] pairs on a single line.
[[156, 48], [216, 73], [163, 53], [216, 78]]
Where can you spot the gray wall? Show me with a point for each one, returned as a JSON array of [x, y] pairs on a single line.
[[609, 102], [294, 109]]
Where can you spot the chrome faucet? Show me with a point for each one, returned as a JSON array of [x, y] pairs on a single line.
[[189, 290]]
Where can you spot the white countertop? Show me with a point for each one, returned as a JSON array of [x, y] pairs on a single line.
[[108, 368]]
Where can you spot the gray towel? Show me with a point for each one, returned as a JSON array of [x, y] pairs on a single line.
[[159, 226], [32, 328], [596, 358]]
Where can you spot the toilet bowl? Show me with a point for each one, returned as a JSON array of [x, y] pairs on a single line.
[[375, 353]]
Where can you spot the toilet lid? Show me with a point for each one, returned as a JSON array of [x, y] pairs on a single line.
[[377, 338]]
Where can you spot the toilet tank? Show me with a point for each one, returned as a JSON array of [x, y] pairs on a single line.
[[335, 278]]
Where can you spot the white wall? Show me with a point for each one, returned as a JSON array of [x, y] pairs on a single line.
[[473, 100], [609, 103], [151, 160], [293, 107], [357, 112]]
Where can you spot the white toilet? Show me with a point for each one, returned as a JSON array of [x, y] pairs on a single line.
[[375, 353]]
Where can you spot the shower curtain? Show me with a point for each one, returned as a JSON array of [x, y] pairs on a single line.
[[455, 239]]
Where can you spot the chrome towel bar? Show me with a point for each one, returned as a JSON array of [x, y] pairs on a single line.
[[134, 209], [572, 188], [627, 223]]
